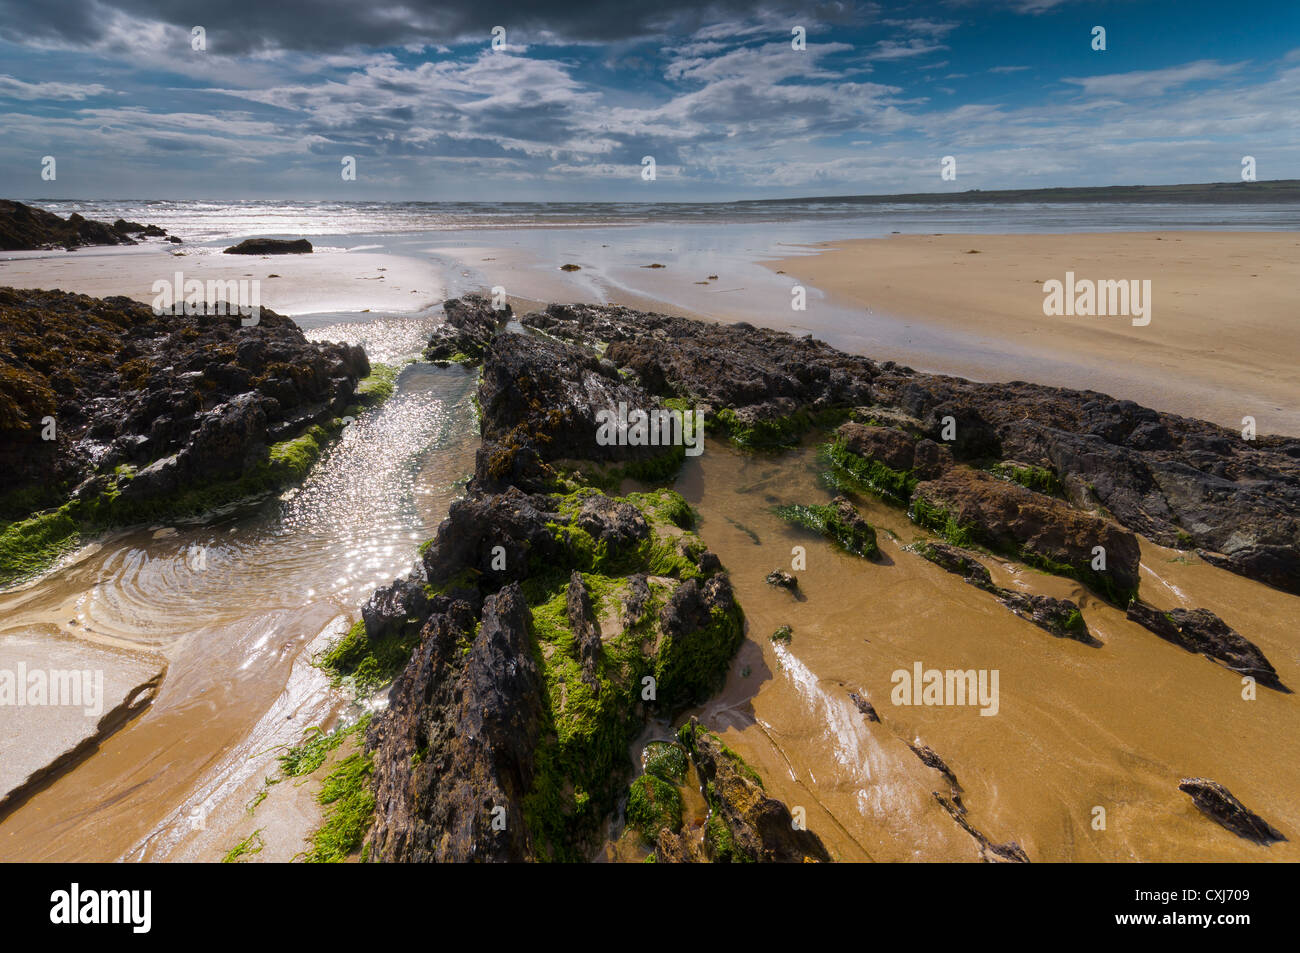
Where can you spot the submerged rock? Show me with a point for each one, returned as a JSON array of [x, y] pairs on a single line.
[[864, 706], [1217, 802], [782, 579], [1200, 630], [1061, 617]]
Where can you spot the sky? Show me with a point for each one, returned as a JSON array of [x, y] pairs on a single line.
[[130, 104]]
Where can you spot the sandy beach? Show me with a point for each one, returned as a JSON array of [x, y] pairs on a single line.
[[1223, 341]]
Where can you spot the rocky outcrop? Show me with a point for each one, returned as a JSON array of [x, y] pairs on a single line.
[[1178, 481], [178, 397], [1217, 803], [28, 228], [1039, 529], [1061, 617], [270, 246], [746, 825], [454, 755], [540, 400], [471, 322], [1203, 632]]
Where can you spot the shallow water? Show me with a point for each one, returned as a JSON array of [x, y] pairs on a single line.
[[231, 605], [1078, 727]]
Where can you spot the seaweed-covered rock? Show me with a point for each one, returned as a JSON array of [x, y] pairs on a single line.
[[1217, 802], [1031, 526], [1200, 630], [654, 805], [454, 755], [748, 825]]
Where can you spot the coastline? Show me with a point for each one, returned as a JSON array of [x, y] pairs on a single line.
[[754, 740], [1222, 343]]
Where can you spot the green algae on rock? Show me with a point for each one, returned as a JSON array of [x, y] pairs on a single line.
[[112, 415]]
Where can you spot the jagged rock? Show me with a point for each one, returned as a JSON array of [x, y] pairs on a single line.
[[471, 322], [271, 246], [586, 630], [1217, 802], [757, 827], [1180, 482], [932, 760], [1200, 630], [1061, 617], [990, 853], [540, 398], [26, 227], [783, 579], [636, 600], [127, 386], [474, 718], [864, 706], [1012, 519]]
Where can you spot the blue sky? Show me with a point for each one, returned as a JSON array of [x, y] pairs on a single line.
[[1011, 88]]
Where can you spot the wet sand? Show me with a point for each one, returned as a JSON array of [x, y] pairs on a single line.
[[328, 279], [1078, 727], [1223, 341]]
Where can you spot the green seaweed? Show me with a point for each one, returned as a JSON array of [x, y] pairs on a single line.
[[652, 805], [847, 471], [827, 521]]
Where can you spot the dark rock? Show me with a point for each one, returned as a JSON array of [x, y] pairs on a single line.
[[586, 630], [471, 322], [475, 718], [636, 600], [760, 828], [1217, 802], [932, 760], [990, 853], [864, 706], [1201, 631], [783, 579], [270, 246], [26, 227]]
